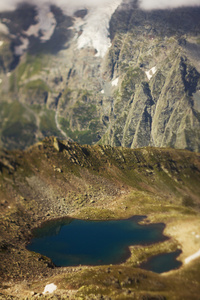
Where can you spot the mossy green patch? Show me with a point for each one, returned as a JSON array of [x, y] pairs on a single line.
[[132, 77], [94, 213], [48, 124], [65, 99], [85, 136], [84, 113], [37, 84], [32, 65], [19, 125]]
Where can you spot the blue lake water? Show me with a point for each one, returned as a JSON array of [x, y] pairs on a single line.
[[163, 262], [73, 242]]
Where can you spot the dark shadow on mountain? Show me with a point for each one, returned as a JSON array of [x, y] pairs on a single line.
[[14, 63], [20, 19], [81, 13], [169, 22], [23, 17], [57, 42], [62, 34]]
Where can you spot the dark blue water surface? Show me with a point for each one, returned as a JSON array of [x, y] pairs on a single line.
[[162, 262], [73, 242]]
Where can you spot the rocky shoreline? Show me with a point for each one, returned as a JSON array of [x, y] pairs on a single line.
[[56, 179]]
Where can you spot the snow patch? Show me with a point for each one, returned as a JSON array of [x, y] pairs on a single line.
[[19, 50], [94, 27], [33, 30], [1, 43], [44, 29], [192, 257], [50, 288], [102, 91], [46, 24], [115, 82], [4, 28], [151, 72]]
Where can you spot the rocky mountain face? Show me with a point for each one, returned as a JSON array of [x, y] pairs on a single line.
[[143, 90]]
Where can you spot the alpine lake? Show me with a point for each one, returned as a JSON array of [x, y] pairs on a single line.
[[73, 242]]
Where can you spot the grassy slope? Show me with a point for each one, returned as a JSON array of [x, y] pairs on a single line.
[[51, 180]]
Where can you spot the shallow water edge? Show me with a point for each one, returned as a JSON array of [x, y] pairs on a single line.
[[95, 253]]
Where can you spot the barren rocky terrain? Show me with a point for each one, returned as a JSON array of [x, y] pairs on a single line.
[[99, 120], [55, 179]]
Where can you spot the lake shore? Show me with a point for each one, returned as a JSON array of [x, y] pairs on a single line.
[[98, 185], [186, 233], [182, 232]]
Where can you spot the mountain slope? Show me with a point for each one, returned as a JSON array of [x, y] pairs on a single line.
[[143, 91], [56, 179]]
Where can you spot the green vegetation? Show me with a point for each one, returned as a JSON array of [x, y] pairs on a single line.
[[83, 116], [35, 92], [65, 99], [83, 95], [133, 76], [21, 122], [87, 136], [12, 83], [18, 125], [37, 108], [6, 55], [84, 113], [47, 123], [37, 84], [33, 65]]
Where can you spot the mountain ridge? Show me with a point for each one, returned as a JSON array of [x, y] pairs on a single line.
[[144, 91]]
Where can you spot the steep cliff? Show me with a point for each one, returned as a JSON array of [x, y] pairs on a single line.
[[144, 91]]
